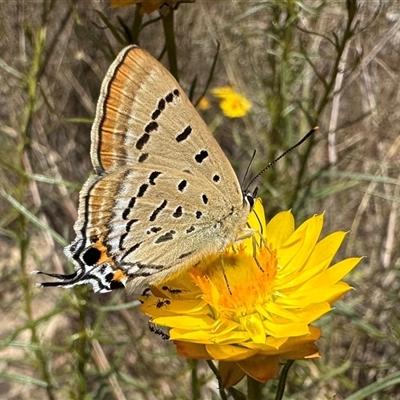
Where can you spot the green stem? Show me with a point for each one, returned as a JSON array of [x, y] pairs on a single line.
[[32, 83], [282, 379], [168, 24], [220, 384], [195, 380], [254, 389]]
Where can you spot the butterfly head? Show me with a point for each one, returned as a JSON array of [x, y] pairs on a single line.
[[249, 197]]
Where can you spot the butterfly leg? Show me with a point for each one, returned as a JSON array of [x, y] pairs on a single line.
[[221, 257], [245, 234]]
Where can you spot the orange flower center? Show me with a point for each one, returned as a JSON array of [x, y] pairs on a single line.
[[239, 283]]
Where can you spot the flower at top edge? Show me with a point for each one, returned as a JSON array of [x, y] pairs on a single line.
[[255, 307], [148, 6], [233, 105]]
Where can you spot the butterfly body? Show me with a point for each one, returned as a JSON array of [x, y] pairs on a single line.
[[164, 195]]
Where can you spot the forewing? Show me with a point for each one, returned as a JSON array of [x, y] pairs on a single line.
[[144, 117]]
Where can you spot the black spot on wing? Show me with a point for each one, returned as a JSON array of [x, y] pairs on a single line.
[[91, 256], [154, 229], [131, 250], [166, 237], [178, 212], [155, 114], [142, 190], [184, 135], [198, 214], [130, 223], [127, 210], [161, 105], [143, 157], [121, 241], [200, 157], [151, 126], [116, 284], [216, 178], [154, 214], [124, 235], [182, 184], [184, 255], [191, 229], [147, 266], [142, 141], [204, 198], [153, 176]]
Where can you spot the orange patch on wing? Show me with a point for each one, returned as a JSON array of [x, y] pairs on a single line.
[[103, 250], [119, 276]]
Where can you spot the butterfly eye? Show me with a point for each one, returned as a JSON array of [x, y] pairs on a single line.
[[249, 199]]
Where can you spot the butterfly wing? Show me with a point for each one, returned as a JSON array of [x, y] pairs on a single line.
[[143, 116], [164, 195]]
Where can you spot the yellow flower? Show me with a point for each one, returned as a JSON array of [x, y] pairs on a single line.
[[253, 305], [232, 104], [204, 103], [148, 6]]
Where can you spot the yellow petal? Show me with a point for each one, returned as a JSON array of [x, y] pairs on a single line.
[[303, 298], [279, 229], [236, 337], [294, 281], [192, 350], [272, 346], [341, 289], [312, 312], [228, 352], [294, 343], [332, 275], [270, 308], [256, 218], [192, 307], [186, 322], [325, 250], [279, 329], [306, 350], [230, 373], [296, 250], [254, 326], [209, 337]]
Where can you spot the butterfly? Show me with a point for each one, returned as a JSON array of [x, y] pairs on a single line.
[[163, 196]]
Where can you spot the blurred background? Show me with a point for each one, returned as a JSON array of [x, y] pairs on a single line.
[[329, 63]]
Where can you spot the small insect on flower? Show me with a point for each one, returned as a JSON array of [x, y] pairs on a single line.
[[146, 292], [162, 303], [170, 290], [155, 329]]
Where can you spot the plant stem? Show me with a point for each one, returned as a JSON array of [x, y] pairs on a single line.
[[254, 389]]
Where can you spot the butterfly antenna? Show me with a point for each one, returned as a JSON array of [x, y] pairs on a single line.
[[281, 156], [248, 167]]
